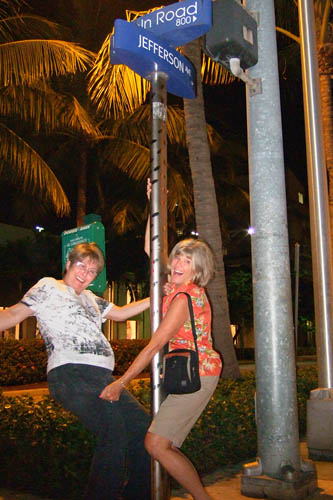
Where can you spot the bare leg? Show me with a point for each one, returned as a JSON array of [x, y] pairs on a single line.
[[177, 465]]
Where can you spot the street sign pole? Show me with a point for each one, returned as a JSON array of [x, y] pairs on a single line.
[[158, 249], [145, 49]]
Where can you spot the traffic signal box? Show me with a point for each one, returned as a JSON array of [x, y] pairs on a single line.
[[233, 35], [88, 233]]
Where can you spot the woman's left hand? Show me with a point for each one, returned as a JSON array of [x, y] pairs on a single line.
[[112, 391]]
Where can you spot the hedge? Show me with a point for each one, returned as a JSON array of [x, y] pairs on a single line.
[[46, 451], [24, 361]]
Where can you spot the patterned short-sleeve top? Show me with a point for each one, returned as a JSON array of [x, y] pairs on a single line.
[[209, 360], [70, 324]]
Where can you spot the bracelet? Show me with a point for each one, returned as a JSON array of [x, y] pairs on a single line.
[[122, 383]]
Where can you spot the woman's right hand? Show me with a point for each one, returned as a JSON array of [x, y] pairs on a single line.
[[167, 288]]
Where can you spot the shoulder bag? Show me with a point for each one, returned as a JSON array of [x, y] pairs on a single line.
[[181, 366]]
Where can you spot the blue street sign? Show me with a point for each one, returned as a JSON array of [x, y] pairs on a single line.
[[144, 53], [180, 22]]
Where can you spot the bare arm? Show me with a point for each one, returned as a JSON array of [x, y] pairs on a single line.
[[14, 315], [147, 233], [147, 238], [176, 316], [121, 313]]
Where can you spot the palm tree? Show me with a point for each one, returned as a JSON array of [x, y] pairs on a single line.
[[206, 212], [126, 93], [30, 54]]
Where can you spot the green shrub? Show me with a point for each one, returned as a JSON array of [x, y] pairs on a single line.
[[307, 379], [45, 450], [125, 352], [24, 361], [226, 431]]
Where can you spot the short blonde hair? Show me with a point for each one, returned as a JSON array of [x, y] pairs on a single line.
[[203, 262], [90, 250]]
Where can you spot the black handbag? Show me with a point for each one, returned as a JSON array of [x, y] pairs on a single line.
[[181, 366]]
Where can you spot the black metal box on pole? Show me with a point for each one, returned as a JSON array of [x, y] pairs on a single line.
[[233, 34]]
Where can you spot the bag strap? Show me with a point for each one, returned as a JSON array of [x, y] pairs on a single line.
[[190, 306]]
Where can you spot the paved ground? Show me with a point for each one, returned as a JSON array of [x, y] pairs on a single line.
[[224, 484]]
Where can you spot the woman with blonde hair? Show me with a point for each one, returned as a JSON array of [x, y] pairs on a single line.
[[191, 267]]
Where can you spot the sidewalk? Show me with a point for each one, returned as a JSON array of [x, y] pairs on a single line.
[[224, 484]]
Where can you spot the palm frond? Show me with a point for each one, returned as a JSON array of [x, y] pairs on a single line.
[[137, 126], [115, 89], [176, 131], [179, 194], [131, 15], [213, 73], [44, 108], [9, 7], [24, 62], [125, 216], [325, 28], [129, 156], [30, 169], [288, 34], [134, 159], [75, 117], [21, 27]]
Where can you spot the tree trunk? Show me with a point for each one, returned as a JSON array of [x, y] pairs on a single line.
[[327, 114], [81, 204], [206, 214]]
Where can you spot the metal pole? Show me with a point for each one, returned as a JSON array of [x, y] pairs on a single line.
[[276, 397], [297, 245], [158, 248], [318, 196], [320, 405]]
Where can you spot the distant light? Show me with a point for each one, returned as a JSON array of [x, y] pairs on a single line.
[[194, 233], [251, 230], [39, 228]]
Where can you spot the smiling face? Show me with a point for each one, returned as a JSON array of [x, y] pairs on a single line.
[[80, 274], [181, 270]]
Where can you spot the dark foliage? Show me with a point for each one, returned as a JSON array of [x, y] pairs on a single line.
[[46, 451]]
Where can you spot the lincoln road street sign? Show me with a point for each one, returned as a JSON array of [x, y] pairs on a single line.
[[179, 23]]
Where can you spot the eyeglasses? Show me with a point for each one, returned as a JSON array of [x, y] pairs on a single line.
[[85, 269]]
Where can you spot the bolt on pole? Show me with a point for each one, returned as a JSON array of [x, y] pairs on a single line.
[[158, 249]]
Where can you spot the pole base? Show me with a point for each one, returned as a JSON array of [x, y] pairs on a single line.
[[276, 489], [320, 424]]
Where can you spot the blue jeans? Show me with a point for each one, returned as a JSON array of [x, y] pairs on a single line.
[[120, 469]]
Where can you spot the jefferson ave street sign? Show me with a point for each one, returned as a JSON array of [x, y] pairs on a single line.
[[179, 23], [144, 53]]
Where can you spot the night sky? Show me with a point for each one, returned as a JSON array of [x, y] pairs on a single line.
[[225, 105]]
